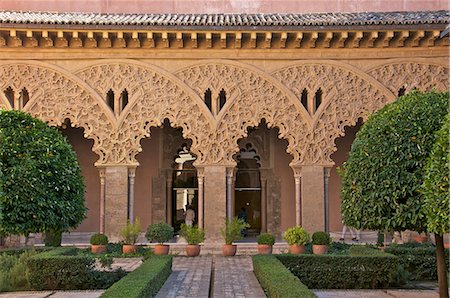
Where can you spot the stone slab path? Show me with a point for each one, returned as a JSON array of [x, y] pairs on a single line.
[[376, 293]]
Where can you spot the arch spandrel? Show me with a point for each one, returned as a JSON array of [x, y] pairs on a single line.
[[409, 75], [154, 95], [251, 96], [56, 96], [348, 94]]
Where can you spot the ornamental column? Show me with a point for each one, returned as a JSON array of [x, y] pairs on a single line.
[[298, 202], [200, 180], [131, 177], [229, 198], [102, 200]]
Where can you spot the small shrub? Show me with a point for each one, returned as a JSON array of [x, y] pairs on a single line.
[[13, 271], [361, 250], [99, 239], [296, 236], [193, 235], [145, 281], [276, 280], [159, 232], [321, 238], [266, 238], [232, 230], [130, 232]]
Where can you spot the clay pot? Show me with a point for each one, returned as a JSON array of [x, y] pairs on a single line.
[[296, 249], [129, 248], [319, 249], [192, 250], [161, 249], [264, 249], [98, 249], [229, 250]]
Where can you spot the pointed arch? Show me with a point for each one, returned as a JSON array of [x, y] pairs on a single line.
[[56, 95]]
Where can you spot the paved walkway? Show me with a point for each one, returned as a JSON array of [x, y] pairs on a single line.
[[376, 293]]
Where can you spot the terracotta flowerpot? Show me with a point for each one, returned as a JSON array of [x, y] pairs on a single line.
[[319, 249], [420, 239], [229, 250], [98, 249], [296, 249], [129, 248], [161, 249], [192, 250], [265, 249]]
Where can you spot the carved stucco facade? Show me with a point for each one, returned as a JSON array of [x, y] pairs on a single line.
[[258, 86]]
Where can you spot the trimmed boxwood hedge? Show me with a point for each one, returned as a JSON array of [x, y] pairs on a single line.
[[145, 281], [64, 268], [418, 259], [342, 271], [276, 280]]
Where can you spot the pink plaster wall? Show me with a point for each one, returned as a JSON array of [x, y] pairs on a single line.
[[222, 6], [284, 172], [339, 157], [87, 158], [148, 168]]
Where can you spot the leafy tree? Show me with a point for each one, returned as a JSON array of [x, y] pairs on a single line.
[[382, 178], [436, 202], [41, 187]]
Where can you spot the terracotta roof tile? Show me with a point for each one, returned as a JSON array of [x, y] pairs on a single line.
[[228, 20]]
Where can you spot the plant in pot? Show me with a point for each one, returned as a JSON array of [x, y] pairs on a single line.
[[129, 235], [297, 238], [231, 232], [193, 236], [265, 243], [160, 232], [98, 243], [320, 241]]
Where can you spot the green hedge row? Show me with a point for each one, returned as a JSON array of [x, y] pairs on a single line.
[[145, 281], [276, 280], [63, 268], [418, 260], [342, 271]]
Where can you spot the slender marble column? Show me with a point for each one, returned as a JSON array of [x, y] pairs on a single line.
[[131, 177], [229, 198], [200, 179], [102, 199], [298, 202]]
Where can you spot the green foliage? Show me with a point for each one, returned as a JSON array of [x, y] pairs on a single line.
[[52, 238], [321, 238], [266, 238], [41, 187], [131, 231], [418, 259], [193, 235], [99, 239], [361, 250], [296, 235], [276, 280], [145, 281], [385, 169], [435, 185], [13, 271], [342, 271], [159, 232], [232, 230]]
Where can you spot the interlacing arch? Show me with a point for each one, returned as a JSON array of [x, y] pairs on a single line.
[[251, 96], [153, 95], [348, 94], [411, 75], [55, 95]]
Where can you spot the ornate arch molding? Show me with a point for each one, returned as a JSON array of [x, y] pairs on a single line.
[[349, 94], [56, 95], [411, 74], [4, 104], [154, 95], [252, 95]]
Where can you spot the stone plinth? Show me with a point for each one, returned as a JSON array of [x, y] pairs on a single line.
[[116, 202], [313, 202]]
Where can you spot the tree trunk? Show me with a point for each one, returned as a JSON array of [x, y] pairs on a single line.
[[441, 267]]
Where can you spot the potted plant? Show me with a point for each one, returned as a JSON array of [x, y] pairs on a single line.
[[160, 232], [265, 243], [98, 243], [297, 238], [193, 236], [129, 235], [231, 232], [320, 241]]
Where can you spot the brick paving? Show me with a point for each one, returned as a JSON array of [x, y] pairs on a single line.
[[376, 293], [190, 278]]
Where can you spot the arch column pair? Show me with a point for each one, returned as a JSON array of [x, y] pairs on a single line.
[[311, 196]]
